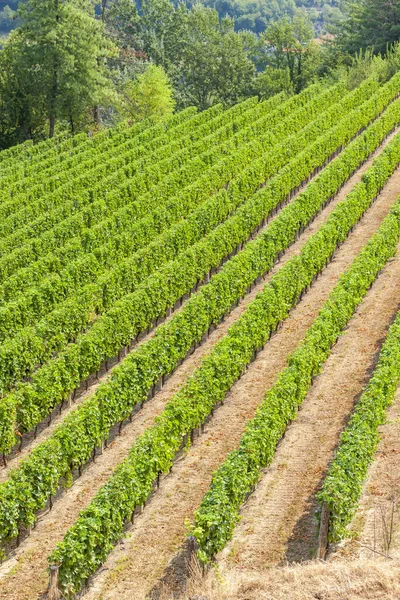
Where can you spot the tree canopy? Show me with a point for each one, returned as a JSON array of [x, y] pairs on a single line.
[[150, 94], [369, 24], [90, 63], [214, 63], [53, 64]]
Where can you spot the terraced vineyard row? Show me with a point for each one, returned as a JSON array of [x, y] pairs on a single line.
[[148, 240]]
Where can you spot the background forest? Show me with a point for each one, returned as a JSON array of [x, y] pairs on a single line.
[[84, 64]]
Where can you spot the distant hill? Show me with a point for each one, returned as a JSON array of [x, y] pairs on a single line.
[[248, 14]]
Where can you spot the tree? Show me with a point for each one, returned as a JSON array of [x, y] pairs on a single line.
[[7, 16], [214, 64], [272, 81], [162, 32], [22, 108], [149, 95], [122, 25], [56, 59], [369, 24], [121, 20], [289, 47]]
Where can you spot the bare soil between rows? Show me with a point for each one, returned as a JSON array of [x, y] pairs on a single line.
[[279, 521], [375, 529]]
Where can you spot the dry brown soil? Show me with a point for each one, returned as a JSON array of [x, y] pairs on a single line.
[[375, 530]]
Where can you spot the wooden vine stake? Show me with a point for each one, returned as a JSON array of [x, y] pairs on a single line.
[[323, 532], [54, 592]]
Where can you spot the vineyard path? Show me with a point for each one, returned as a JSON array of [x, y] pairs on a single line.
[[381, 488], [279, 521]]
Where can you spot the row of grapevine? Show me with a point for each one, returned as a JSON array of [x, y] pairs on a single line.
[[109, 334], [81, 145], [40, 159], [152, 144], [51, 292], [130, 151], [72, 443], [103, 201], [77, 226], [132, 154], [223, 127], [15, 181], [342, 487], [100, 525], [66, 319], [29, 153], [58, 206], [27, 150], [120, 243]]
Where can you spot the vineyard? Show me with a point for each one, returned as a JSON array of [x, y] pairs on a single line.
[[199, 343]]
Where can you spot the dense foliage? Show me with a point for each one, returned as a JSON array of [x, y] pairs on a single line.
[[369, 24], [144, 58], [249, 15]]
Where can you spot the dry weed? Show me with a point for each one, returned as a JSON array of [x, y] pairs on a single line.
[[353, 580]]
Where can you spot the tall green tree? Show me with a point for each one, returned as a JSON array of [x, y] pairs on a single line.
[[22, 108], [56, 60], [214, 66], [369, 24], [122, 26], [289, 49], [163, 30], [150, 94], [121, 20]]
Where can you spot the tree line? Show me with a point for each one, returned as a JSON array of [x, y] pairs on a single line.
[[85, 64], [253, 15]]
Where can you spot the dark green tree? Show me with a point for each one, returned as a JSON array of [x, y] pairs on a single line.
[[22, 107], [214, 66], [121, 20], [369, 24], [55, 59], [290, 50], [162, 32]]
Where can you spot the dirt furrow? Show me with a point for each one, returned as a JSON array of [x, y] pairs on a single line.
[[29, 562], [376, 524], [140, 559]]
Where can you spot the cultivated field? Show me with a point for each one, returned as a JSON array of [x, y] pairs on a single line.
[[199, 337]]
